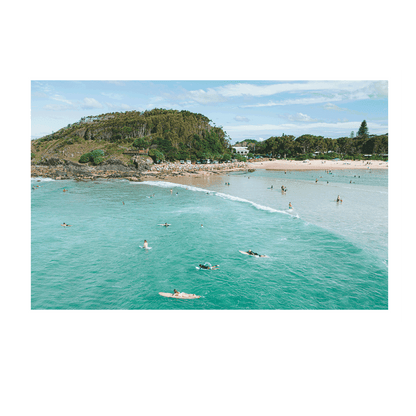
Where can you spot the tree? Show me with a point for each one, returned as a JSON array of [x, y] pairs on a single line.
[[141, 143], [352, 135], [363, 130]]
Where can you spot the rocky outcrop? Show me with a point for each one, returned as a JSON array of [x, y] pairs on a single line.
[[141, 162], [57, 168]]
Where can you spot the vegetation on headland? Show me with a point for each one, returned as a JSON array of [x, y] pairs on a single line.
[[164, 134], [169, 135]]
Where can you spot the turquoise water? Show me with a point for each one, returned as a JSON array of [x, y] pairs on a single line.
[[323, 255]]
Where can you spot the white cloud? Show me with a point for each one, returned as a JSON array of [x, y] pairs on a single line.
[[205, 97], [333, 90], [343, 127], [241, 118], [112, 95], [119, 107], [90, 103], [330, 106], [58, 107], [236, 90], [57, 97], [298, 117], [297, 101]]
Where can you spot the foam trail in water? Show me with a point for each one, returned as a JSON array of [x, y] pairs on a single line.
[[219, 194], [162, 184], [41, 179]]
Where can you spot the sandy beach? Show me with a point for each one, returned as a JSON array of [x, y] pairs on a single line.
[[318, 164]]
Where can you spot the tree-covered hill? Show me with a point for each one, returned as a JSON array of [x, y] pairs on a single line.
[[169, 134]]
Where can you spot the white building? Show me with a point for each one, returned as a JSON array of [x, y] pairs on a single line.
[[241, 150]]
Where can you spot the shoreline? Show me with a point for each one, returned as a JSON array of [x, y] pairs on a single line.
[[293, 165], [169, 171]]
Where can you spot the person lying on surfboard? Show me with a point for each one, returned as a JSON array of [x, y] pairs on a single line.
[[251, 253], [206, 267]]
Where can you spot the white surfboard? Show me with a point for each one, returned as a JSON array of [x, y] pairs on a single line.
[[146, 248], [165, 225], [255, 255], [179, 296]]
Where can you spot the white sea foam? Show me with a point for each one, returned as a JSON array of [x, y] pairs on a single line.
[[254, 204], [219, 194], [41, 179], [162, 184]]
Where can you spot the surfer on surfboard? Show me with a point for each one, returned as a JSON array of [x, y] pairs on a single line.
[[145, 244], [207, 266], [252, 253]]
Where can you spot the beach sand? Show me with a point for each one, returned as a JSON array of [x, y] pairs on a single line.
[[318, 164]]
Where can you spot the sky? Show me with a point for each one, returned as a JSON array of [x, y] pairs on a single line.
[[244, 109]]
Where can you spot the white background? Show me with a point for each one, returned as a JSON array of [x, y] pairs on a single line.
[[25, 316]]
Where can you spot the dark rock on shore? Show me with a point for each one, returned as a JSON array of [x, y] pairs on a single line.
[[57, 168]]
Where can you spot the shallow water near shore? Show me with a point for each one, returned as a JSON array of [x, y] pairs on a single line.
[[321, 255]]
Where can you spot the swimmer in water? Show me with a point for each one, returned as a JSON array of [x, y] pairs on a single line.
[[145, 244], [171, 191], [66, 225], [290, 205], [339, 199]]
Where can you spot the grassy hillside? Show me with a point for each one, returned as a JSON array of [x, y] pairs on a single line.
[[169, 134]]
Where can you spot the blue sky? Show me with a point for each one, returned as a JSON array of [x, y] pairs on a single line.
[[245, 109]]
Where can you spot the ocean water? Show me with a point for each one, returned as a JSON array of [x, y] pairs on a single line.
[[321, 254]]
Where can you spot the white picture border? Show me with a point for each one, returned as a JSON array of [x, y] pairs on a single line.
[[24, 315]]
